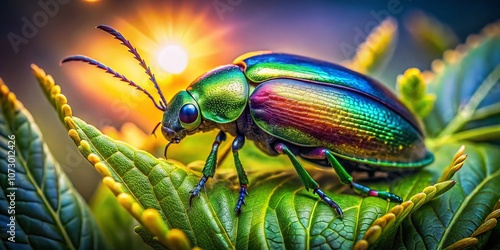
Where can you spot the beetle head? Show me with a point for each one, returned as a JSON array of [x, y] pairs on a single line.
[[181, 117]]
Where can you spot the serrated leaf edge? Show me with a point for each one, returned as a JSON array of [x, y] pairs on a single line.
[[453, 56], [488, 224], [399, 212]]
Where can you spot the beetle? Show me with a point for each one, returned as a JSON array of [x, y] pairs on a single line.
[[296, 106]]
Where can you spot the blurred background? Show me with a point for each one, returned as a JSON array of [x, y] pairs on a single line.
[[181, 40]]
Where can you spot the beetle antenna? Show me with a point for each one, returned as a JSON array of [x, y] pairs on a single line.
[[109, 70], [133, 50]]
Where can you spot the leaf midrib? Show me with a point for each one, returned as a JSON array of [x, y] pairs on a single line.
[[266, 206], [40, 193], [313, 210], [463, 115], [219, 223]]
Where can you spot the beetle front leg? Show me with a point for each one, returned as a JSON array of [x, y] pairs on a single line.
[[210, 166], [306, 179], [346, 178], [238, 143]]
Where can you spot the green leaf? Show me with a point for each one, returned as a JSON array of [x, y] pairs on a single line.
[[459, 212], [466, 109], [280, 212], [48, 212], [467, 103]]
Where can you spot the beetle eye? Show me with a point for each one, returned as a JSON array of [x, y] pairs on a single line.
[[188, 114]]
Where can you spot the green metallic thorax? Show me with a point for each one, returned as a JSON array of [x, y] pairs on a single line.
[[221, 94]]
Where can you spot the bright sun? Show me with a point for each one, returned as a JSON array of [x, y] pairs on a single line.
[[173, 59]]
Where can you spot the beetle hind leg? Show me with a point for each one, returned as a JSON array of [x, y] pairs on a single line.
[[364, 190], [306, 179], [345, 178]]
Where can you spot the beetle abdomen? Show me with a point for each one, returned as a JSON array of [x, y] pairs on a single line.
[[352, 125]]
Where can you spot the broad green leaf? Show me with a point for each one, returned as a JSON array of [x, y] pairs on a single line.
[[381, 232], [459, 212], [466, 86], [280, 213], [48, 212], [466, 109]]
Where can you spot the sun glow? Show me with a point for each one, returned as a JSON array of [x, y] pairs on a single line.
[[179, 42], [173, 59]]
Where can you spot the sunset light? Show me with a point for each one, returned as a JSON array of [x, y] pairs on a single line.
[[178, 43], [173, 59]]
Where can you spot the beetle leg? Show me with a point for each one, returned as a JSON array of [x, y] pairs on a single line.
[[210, 165], [306, 179], [238, 143], [345, 178]]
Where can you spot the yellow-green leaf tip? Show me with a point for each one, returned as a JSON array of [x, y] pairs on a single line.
[[399, 212], [178, 240], [9, 96], [153, 221], [431, 33], [463, 243], [127, 201], [412, 87], [454, 56], [173, 239], [373, 233], [489, 223], [361, 245], [377, 48], [411, 84], [457, 163], [53, 93]]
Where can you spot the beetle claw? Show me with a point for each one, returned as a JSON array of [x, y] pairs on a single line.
[[196, 191], [329, 201], [241, 199]]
